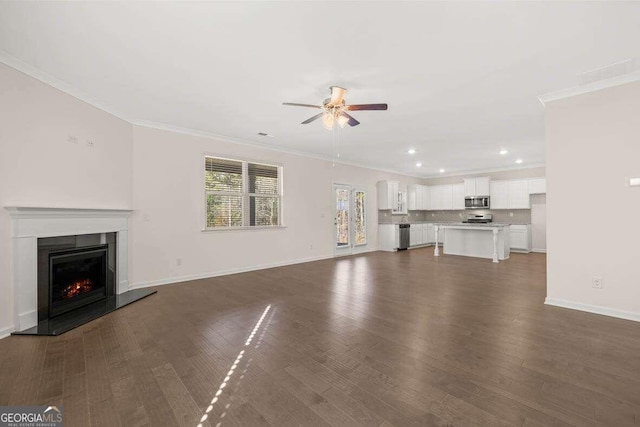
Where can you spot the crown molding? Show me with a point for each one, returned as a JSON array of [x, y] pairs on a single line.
[[61, 85], [225, 138], [590, 87], [479, 171], [65, 87]]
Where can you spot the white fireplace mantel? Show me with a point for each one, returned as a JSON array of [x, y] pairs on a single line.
[[31, 223]]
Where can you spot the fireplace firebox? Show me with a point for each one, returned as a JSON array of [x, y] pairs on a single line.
[[76, 278]]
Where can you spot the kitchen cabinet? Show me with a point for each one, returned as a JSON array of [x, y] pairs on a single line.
[[476, 186], [441, 197], [418, 234], [388, 237], [417, 197], [412, 196], [519, 194], [520, 237], [429, 234], [390, 197], [509, 194], [538, 186], [426, 198], [458, 196], [414, 239], [499, 195]]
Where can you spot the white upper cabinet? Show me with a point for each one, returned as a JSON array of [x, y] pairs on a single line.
[[482, 186], [417, 197], [469, 187], [476, 186], [441, 197], [458, 196], [499, 195], [412, 197], [426, 197], [388, 195], [510, 194], [447, 197], [538, 186], [434, 197], [519, 194]]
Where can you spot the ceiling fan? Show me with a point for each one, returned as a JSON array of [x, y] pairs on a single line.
[[334, 109]]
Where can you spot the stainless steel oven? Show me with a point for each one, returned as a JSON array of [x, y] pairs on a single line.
[[476, 202]]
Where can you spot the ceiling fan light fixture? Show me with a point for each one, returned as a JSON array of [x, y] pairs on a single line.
[[328, 120], [343, 120]]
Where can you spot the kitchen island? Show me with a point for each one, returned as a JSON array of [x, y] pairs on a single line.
[[489, 240]]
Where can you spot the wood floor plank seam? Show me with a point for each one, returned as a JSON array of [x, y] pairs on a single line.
[[374, 339]]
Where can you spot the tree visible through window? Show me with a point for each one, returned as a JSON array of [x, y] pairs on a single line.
[[240, 194], [359, 218]]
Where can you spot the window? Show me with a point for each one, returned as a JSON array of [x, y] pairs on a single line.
[[242, 194]]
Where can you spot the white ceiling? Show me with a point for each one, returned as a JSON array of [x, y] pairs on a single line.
[[461, 79]]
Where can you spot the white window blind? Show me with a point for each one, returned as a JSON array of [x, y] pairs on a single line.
[[242, 194]]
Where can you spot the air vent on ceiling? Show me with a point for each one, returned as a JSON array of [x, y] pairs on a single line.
[[265, 134], [607, 72]]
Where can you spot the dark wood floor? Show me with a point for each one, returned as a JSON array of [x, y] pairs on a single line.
[[379, 339]]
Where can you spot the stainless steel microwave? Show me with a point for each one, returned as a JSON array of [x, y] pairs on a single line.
[[476, 202]]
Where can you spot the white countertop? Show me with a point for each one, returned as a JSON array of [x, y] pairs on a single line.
[[472, 224]]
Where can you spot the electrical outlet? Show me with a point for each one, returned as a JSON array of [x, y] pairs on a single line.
[[511, 214], [432, 214], [72, 139], [597, 282], [89, 143], [178, 262]]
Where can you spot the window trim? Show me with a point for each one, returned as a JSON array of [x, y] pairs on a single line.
[[245, 194]]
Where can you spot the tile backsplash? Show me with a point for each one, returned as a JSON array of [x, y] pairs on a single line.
[[520, 216]]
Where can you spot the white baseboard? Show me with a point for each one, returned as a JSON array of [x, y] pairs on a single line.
[[228, 272], [539, 251], [5, 332], [605, 311], [27, 320]]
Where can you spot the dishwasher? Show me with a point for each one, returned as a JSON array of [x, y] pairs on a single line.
[[405, 237]]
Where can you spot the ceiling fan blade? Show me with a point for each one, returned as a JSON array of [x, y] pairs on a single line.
[[352, 121], [310, 119], [301, 105], [337, 94], [366, 107]]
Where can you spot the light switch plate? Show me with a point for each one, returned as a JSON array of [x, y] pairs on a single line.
[[634, 182]]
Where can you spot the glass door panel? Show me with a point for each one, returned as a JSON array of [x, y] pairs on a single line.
[[342, 217]]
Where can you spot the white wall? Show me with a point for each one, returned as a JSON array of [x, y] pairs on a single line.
[[593, 144], [39, 167], [168, 190]]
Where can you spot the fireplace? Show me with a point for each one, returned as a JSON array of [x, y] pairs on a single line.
[[70, 267], [76, 278]]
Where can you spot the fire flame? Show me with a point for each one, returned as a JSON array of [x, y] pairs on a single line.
[[77, 288]]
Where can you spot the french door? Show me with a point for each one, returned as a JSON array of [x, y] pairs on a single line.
[[350, 219]]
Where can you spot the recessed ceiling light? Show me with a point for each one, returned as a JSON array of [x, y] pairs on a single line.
[[519, 161], [503, 152], [441, 170], [418, 164], [411, 151]]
